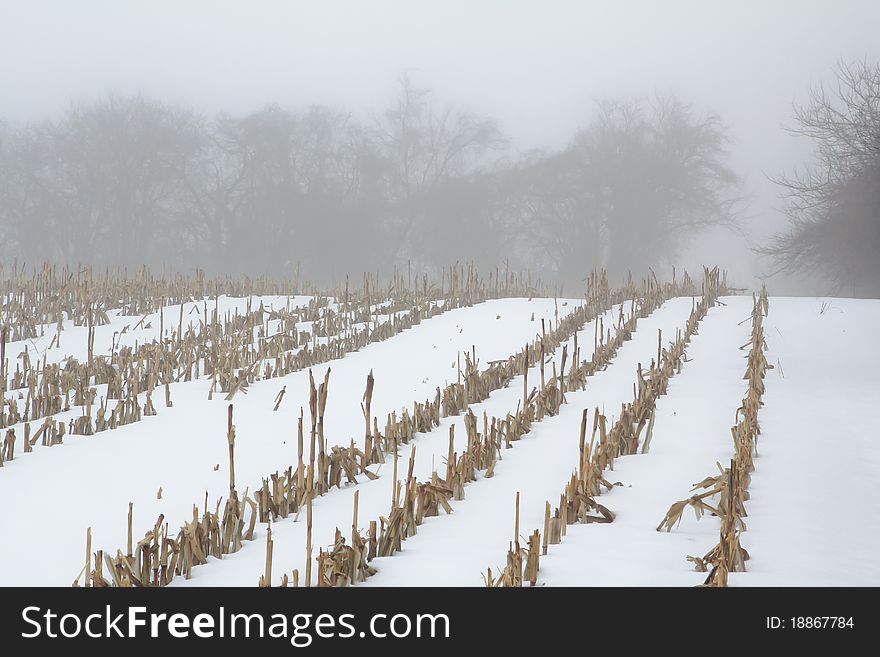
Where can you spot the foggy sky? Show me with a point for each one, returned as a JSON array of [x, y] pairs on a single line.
[[537, 67]]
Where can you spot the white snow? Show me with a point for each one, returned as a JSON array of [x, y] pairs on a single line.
[[691, 433], [814, 515], [457, 549], [74, 338], [57, 492]]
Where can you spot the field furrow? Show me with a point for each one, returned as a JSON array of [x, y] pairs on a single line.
[[96, 477], [690, 434], [456, 549], [814, 510]]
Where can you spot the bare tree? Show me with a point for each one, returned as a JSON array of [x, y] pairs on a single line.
[[423, 147], [101, 183], [277, 189], [834, 207], [631, 188]]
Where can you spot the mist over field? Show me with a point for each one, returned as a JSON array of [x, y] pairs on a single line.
[[485, 294], [334, 138]]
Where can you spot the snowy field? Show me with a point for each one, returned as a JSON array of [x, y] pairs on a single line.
[[813, 513]]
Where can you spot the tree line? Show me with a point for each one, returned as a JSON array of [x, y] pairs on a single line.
[[132, 179]]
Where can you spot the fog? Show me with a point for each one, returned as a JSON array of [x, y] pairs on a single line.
[[538, 69]]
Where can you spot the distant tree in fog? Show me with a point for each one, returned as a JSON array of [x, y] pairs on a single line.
[[6, 192], [130, 181], [425, 147], [276, 188], [630, 189], [834, 208], [101, 185]]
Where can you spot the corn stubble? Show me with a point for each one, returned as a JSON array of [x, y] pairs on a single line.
[[484, 449], [631, 434], [231, 353], [237, 350], [731, 485]]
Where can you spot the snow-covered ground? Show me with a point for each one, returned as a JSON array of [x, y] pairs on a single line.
[[814, 516], [457, 549], [125, 330], [89, 480], [691, 433]]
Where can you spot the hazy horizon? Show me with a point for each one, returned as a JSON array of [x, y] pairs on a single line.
[[537, 68]]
